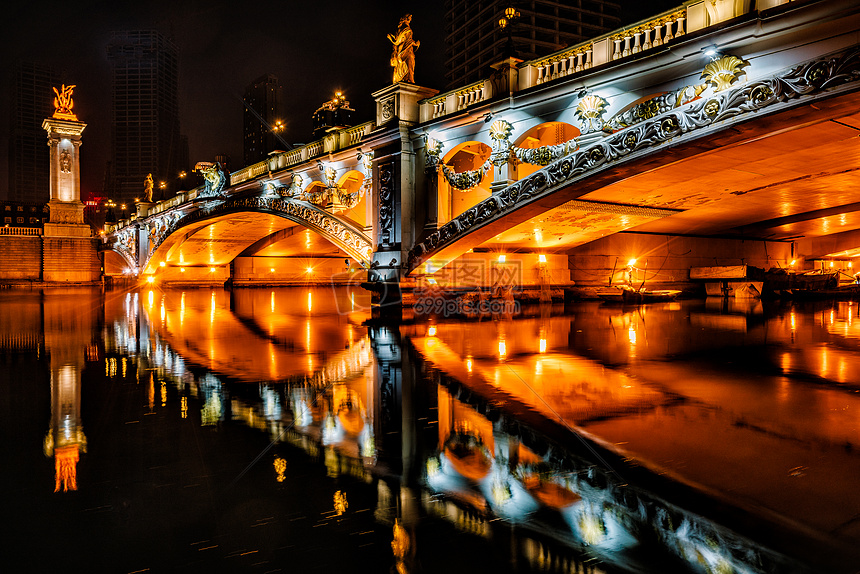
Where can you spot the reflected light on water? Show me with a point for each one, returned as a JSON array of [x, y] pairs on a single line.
[[280, 467], [151, 298], [543, 345], [272, 303], [502, 348], [824, 366], [340, 503], [631, 335], [212, 308], [310, 302]]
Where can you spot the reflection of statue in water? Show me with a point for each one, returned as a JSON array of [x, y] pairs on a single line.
[[403, 54], [147, 188]]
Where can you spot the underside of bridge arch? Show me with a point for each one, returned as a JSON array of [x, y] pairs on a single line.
[[249, 248], [115, 264], [764, 192]]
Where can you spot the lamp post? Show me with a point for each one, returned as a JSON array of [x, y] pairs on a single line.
[[506, 22]]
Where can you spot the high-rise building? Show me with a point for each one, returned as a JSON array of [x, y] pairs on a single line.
[[145, 112], [474, 40], [261, 119], [32, 101]]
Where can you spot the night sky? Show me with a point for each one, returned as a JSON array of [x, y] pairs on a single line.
[[315, 48]]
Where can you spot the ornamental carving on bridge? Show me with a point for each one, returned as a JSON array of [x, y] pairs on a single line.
[[126, 244], [161, 226], [214, 179], [346, 236], [806, 80], [723, 72], [590, 110]]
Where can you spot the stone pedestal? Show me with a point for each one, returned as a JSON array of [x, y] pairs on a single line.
[[505, 78], [400, 101], [143, 208]]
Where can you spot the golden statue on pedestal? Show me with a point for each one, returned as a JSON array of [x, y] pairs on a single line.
[[147, 188], [63, 103], [403, 54]]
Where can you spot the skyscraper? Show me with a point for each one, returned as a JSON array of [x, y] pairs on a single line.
[[145, 112], [261, 118], [474, 39], [32, 102]]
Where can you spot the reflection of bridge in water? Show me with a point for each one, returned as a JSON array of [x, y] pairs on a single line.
[[505, 445]]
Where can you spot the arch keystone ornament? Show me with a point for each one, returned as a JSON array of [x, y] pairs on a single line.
[[723, 72]]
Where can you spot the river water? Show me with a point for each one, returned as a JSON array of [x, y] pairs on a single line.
[[277, 430]]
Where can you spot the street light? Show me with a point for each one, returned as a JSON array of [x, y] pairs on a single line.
[[506, 23]]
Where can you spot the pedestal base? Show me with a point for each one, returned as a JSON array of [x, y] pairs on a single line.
[[67, 230], [69, 259]]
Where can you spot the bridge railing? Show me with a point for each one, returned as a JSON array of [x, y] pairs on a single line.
[[20, 231], [642, 36], [340, 139]]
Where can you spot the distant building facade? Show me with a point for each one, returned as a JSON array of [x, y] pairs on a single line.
[[24, 214], [335, 114], [145, 136], [474, 40], [261, 117], [32, 98]]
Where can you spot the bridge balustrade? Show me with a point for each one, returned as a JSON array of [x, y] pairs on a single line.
[[642, 36]]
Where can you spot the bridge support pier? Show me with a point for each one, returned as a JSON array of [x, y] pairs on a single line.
[[400, 195]]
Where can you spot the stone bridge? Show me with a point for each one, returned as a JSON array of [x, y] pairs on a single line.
[[714, 134]]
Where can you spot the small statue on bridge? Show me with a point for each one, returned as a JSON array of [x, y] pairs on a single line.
[[147, 188], [214, 179], [403, 54]]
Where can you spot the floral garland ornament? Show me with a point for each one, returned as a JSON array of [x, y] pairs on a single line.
[[547, 154], [468, 179]]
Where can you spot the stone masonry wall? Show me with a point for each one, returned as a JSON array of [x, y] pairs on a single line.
[[20, 258]]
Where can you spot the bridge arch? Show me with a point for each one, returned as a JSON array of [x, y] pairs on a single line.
[[232, 231], [353, 182], [466, 157], [117, 262]]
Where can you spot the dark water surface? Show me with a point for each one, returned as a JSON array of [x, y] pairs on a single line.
[[277, 431]]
